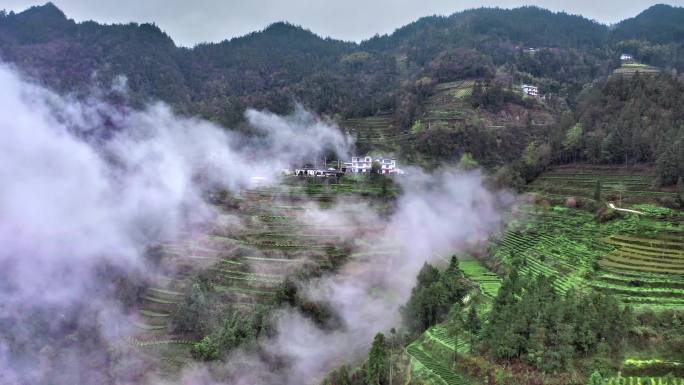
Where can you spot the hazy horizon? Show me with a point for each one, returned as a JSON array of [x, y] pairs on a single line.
[[189, 24]]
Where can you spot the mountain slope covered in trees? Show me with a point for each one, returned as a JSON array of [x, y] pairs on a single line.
[[396, 76]]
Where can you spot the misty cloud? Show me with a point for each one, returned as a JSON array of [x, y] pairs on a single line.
[[88, 186], [439, 214]]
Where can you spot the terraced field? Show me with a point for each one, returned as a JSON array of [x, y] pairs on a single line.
[[433, 355], [441, 335], [244, 265], [562, 245], [377, 131], [644, 271], [630, 185], [629, 69], [644, 381], [640, 259], [448, 103], [436, 369], [653, 367], [475, 271]]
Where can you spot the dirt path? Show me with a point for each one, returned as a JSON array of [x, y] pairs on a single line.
[[612, 206]]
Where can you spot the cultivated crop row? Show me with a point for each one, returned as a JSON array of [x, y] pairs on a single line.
[[440, 334], [645, 381], [489, 282], [442, 372]]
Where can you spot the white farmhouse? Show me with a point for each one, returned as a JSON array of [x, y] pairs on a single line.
[[626, 57], [315, 172], [361, 164], [530, 90]]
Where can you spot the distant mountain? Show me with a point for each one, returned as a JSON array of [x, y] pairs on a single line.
[[429, 92], [659, 24], [265, 69], [282, 63], [37, 24], [526, 26]]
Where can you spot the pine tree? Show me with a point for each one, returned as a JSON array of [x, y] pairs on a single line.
[[453, 268], [473, 325], [452, 283], [376, 370], [473, 322], [499, 336], [680, 192], [426, 276]]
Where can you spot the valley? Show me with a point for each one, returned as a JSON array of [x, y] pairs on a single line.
[[493, 196]]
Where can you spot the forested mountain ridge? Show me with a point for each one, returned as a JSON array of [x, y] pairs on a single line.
[[658, 24], [531, 26], [64, 53], [397, 76]]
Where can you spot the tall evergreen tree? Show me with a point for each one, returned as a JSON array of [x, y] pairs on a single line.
[[473, 325], [452, 282], [376, 368]]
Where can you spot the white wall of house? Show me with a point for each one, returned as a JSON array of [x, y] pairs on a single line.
[[361, 164], [530, 90]]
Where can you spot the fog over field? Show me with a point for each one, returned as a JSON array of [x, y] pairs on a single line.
[[88, 186]]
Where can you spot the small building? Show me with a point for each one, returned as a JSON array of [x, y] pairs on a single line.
[[315, 172], [362, 164], [626, 57], [530, 90], [530, 50]]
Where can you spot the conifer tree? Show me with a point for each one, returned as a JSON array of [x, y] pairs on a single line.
[[376, 370], [473, 324], [451, 282]]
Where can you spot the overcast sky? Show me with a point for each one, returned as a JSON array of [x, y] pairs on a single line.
[[191, 22]]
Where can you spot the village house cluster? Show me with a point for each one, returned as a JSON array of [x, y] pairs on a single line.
[[358, 165]]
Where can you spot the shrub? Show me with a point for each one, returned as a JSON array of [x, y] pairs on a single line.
[[207, 349]]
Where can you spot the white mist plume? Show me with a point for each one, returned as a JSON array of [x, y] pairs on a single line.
[[84, 184], [445, 212]]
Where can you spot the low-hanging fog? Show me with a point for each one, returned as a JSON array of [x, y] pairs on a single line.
[[87, 186], [439, 214]]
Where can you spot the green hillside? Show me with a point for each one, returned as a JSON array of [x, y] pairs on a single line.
[[241, 271]]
